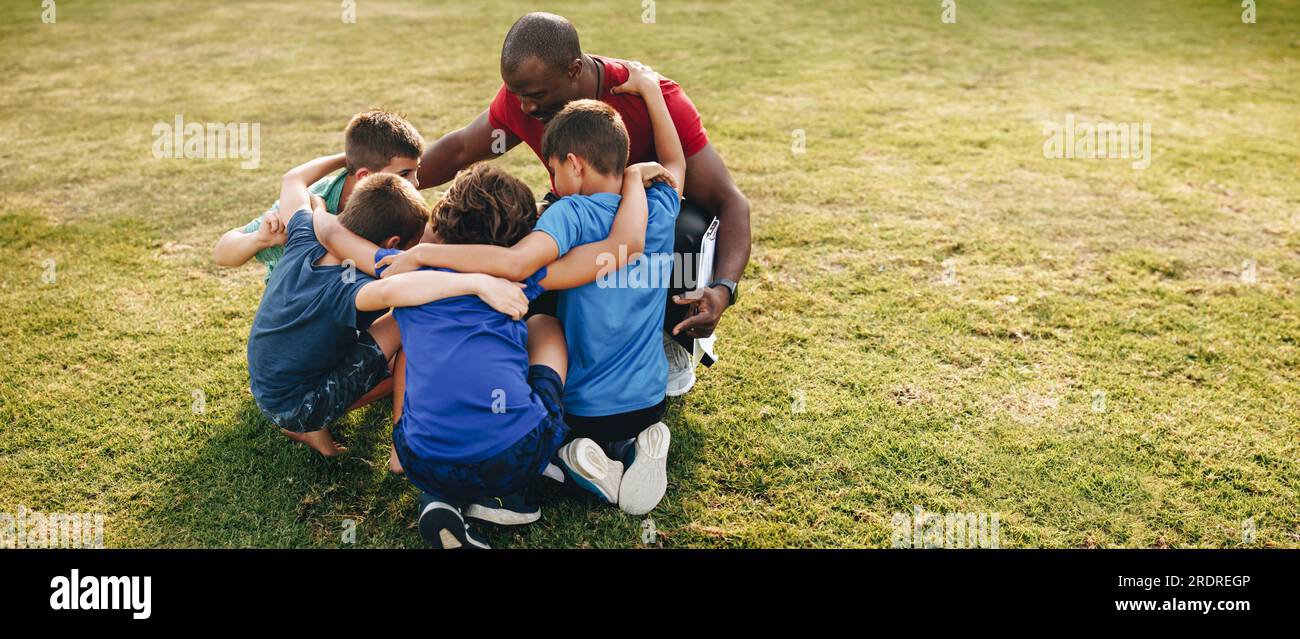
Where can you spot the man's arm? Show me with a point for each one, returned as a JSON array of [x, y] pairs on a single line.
[[422, 287], [712, 188], [461, 148], [626, 240], [293, 186]]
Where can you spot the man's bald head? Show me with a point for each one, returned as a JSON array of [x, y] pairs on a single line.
[[550, 38]]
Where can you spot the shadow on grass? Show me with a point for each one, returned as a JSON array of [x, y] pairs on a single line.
[[247, 486]]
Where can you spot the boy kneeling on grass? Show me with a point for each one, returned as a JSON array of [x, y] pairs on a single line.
[[478, 406], [318, 347]]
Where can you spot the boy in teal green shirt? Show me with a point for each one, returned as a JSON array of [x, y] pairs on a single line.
[[375, 141]]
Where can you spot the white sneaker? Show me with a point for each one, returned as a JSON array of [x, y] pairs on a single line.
[[646, 478], [681, 368], [553, 473], [584, 461]]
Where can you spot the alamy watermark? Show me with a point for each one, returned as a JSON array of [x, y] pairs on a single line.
[[650, 270], [94, 592], [921, 529], [32, 529], [1099, 141], [209, 141]]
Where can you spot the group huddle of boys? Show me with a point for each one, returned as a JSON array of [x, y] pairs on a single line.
[[432, 306]]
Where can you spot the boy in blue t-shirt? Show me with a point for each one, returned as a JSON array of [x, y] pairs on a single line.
[[318, 347], [617, 372], [478, 407]]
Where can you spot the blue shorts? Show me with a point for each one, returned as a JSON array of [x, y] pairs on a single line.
[[506, 472]]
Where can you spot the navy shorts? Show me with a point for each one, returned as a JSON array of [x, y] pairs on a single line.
[[360, 369], [506, 472]]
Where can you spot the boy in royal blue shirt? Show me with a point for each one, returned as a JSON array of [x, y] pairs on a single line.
[[613, 326], [318, 346], [480, 411]]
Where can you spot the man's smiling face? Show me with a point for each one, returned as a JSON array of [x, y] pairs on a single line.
[[542, 90]]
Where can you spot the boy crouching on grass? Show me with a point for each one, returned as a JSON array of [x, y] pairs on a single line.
[[479, 402], [374, 141], [618, 374], [318, 347]]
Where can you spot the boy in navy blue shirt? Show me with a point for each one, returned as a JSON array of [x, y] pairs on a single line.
[[618, 372], [318, 346], [480, 411]]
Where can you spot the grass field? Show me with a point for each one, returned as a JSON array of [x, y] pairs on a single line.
[[935, 314]]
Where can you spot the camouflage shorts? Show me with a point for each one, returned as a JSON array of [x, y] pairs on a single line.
[[360, 369]]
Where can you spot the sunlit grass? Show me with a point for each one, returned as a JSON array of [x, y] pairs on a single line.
[[970, 391]]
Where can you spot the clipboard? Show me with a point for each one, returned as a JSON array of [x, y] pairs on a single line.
[[702, 349]]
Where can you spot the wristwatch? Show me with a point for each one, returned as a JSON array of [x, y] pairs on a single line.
[[731, 289]]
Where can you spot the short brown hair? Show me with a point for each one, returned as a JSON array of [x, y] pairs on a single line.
[[383, 205], [374, 137], [591, 130], [485, 205]]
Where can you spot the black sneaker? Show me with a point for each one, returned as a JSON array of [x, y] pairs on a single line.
[[511, 510], [442, 526]]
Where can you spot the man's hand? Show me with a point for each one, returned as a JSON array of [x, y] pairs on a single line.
[[641, 80], [271, 232], [707, 305]]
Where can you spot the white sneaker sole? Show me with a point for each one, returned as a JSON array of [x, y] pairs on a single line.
[[646, 480], [500, 516], [592, 469]]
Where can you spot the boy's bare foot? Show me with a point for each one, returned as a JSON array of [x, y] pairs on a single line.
[[320, 441], [393, 463]]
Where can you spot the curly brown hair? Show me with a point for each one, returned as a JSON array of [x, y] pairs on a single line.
[[485, 205]]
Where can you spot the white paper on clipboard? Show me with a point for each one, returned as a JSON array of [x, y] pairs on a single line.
[[703, 348]]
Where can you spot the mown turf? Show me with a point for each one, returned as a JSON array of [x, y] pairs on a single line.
[[934, 314]]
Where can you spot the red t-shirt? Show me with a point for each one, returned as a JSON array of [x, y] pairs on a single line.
[[506, 114]]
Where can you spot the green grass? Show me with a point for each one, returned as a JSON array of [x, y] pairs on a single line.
[[924, 147]]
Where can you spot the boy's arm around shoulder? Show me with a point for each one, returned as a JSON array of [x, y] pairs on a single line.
[[625, 242], [514, 263], [342, 243], [421, 287], [294, 193]]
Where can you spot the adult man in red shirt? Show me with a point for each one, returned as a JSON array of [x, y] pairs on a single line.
[[543, 69]]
